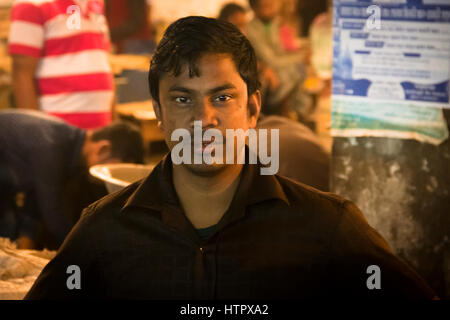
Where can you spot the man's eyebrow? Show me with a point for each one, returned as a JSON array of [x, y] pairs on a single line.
[[221, 88], [180, 89], [226, 86]]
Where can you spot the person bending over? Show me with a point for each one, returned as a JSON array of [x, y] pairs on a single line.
[[46, 162]]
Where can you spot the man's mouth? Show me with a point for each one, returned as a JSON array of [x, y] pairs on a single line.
[[206, 146]]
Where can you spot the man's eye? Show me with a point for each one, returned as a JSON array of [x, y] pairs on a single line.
[[182, 100], [223, 98]]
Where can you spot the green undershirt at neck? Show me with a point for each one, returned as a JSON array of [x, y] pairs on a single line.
[[206, 233]]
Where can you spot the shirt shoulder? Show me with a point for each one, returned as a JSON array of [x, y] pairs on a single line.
[[308, 197], [110, 204], [343, 217], [355, 246], [44, 135], [31, 11], [26, 34], [321, 211]]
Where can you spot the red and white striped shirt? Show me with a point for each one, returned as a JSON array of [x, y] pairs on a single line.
[[70, 38]]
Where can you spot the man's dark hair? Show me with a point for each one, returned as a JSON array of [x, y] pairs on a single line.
[[189, 38], [126, 141], [229, 9], [253, 3]]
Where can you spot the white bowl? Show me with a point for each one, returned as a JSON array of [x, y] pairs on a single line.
[[119, 175]]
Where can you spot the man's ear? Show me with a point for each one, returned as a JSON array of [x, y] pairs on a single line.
[[157, 109], [103, 149], [254, 107]]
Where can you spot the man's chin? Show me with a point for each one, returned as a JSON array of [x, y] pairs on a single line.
[[206, 170]]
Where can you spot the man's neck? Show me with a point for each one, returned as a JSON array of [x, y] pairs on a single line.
[[205, 199], [265, 21]]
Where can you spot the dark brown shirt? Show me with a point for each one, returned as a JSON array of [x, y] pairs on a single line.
[[278, 239]]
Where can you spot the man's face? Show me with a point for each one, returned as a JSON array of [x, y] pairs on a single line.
[[97, 152], [239, 19], [266, 10], [218, 98]]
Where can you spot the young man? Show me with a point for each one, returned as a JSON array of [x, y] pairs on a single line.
[[219, 231], [44, 164]]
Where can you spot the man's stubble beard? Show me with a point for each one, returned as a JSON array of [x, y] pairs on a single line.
[[207, 170], [214, 169]]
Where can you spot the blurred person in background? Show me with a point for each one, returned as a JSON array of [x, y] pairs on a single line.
[[44, 166], [290, 25], [60, 51], [302, 158], [321, 38], [130, 29], [263, 31], [235, 14], [307, 11]]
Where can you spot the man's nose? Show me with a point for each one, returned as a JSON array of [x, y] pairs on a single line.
[[205, 112]]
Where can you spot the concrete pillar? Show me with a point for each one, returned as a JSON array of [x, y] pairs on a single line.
[[403, 189]]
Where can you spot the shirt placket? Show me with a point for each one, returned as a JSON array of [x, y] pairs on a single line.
[[205, 271], [175, 218]]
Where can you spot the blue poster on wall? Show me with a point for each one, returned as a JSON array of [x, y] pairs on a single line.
[[392, 53]]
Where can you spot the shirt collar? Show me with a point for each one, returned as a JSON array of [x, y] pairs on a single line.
[[156, 192]]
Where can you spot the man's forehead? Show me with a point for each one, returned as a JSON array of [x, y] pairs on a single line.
[[217, 67], [206, 59]]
